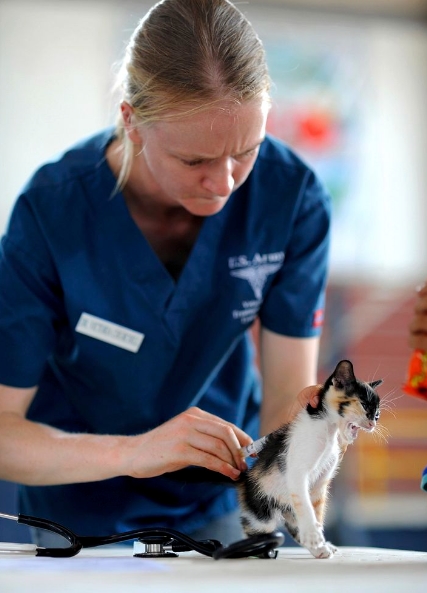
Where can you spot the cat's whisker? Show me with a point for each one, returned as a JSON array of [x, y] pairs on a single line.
[[381, 433], [387, 396], [386, 403], [388, 410], [375, 373]]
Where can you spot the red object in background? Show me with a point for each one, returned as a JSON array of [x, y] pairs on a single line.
[[416, 381], [306, 127], [316, 129]]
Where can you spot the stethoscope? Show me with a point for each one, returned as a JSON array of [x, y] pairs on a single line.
[[159, 542]]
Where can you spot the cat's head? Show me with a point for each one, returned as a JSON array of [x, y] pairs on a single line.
[[355, 403]]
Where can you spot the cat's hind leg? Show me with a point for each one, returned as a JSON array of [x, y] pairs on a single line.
[[258, 514], [291, 524], [253, 526]]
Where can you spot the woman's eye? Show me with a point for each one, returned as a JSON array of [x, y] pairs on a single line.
[[193, 163], [246, 155]]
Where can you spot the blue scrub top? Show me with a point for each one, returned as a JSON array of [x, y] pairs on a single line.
[[90, 314]]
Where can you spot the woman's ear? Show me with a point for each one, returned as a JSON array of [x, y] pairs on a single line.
[[128, 117]]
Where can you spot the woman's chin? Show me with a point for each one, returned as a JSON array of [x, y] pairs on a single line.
[[204, 206]]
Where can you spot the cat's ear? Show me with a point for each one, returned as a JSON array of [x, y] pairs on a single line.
[[375, 384], [343, 374]]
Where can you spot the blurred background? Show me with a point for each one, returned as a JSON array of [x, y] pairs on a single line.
[[350, 90]]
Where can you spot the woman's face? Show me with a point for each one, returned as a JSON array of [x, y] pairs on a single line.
[[198, 160]]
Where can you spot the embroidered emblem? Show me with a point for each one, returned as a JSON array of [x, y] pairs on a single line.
[[256, 276], [257, 269]]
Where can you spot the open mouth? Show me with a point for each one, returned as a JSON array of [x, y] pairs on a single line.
[[353, 429]]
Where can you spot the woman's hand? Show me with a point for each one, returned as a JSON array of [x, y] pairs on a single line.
[[309, 395], [194, 437], [418, 325]]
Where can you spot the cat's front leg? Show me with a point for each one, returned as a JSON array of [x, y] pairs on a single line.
[[317, 546], [319, 504], [310, 530], [311, 537], [314, 541]]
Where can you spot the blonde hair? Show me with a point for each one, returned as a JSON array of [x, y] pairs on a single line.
[[186, 55]]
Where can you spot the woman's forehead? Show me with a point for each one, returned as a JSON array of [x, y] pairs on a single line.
[[227, 127]]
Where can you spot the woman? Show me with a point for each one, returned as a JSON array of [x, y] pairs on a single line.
[[132, 270]]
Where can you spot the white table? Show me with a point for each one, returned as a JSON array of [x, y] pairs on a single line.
[[115, 570]]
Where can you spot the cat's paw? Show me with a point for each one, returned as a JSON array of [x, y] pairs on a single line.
[[333, 548], [327, 550], [312, 539]]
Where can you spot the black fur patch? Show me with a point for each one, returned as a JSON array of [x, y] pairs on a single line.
[[261, 505]]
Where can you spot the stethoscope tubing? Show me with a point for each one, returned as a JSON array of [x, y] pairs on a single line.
[[261, 545], [75, 543]]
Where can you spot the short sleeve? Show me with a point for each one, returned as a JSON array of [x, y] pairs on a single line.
[[30, 300], [294, 303]]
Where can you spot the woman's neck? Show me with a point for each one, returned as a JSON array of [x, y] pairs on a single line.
[[169, 229]]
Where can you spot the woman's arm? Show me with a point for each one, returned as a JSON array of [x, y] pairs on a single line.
[[37, 454], [288, 365]]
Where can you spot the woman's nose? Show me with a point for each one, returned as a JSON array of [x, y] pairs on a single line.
[[219, 178]]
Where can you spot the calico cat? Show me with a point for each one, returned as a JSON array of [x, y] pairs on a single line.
[[289, 480]]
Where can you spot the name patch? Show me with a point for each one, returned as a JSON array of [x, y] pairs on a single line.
[[109, 332]]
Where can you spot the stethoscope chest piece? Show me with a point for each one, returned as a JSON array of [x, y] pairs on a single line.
[[153, 546]]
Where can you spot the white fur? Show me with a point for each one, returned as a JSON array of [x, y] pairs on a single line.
[[313, 454], [311, 461]]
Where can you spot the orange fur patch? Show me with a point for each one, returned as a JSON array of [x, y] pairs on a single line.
[[296, 501], [319, 509], [336, 398]]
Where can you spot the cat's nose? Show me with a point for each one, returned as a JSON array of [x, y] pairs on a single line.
[[369, 424]]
